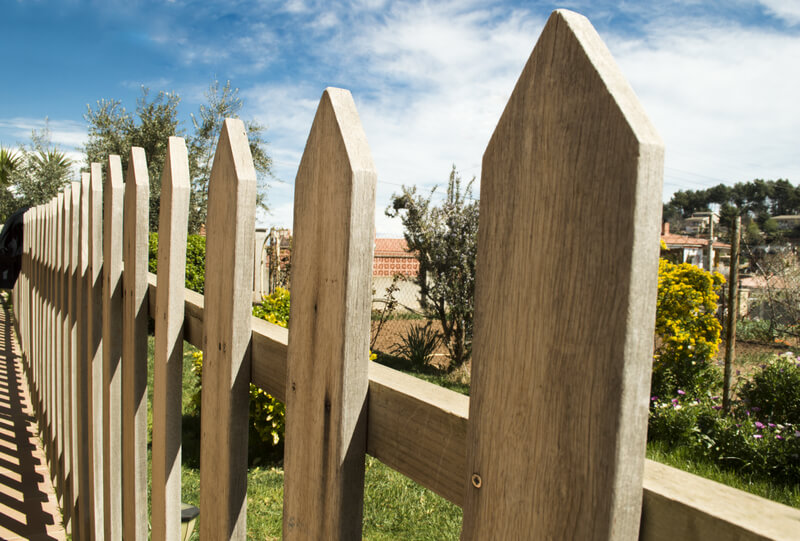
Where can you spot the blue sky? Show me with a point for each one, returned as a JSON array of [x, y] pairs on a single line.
[[719, 79]]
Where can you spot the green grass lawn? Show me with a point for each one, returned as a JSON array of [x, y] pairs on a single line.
[[679, 458]]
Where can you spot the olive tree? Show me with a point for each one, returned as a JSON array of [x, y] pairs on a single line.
[[112, 129], [443, 238]]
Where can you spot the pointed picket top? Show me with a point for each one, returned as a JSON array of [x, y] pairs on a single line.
[[327, 366], [565, 299], [83, 218], [168, 351], [227, 328]]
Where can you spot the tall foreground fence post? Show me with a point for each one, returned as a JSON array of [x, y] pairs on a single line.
[[565, 300], [328, 357], [227, 330], [134, 349]]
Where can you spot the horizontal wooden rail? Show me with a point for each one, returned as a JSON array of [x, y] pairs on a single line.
[[419, 429]]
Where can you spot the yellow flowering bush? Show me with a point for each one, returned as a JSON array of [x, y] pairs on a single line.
[[687, 328]]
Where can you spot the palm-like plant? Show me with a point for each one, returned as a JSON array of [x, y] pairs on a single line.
[[9, 162]]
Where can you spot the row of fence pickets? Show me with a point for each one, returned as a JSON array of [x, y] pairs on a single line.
[[82, 319]]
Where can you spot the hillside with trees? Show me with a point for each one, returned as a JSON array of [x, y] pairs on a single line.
[[757, 201]]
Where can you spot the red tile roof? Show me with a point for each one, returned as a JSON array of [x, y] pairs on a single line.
[[392, 257], [391, 248], [674, 240]]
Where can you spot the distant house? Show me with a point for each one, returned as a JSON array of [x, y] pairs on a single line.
[[698, 223], [694, 250], [392, 258], [787, 222]]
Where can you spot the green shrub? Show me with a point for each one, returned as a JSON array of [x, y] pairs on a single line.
[[418, 346], [195, 260], [774, 390], [754, 330]]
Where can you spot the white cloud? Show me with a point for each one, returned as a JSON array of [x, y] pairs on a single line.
[[66, 134], [431, 80], [430, 83], [788, 10], [723, 98]]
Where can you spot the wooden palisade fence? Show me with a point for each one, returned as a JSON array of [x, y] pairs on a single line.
[[551, 444]]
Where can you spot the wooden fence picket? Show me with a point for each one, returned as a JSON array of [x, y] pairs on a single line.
[[94, 320], [561, 364], [58, 429], [74, 348], [42, 354], [328, 360], [134, 348], [168, 352], [83, 368], [47, 374], [226, 349], [53, 341], [113, 194], [66, 359]]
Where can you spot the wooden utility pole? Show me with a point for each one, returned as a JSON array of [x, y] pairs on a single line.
[[733, 311], [710, 241]]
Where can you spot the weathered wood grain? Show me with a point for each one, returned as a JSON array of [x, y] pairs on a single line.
[[74, 348], [134, 348], [66, 356], [327, 370], [94, 320], [58, 350], [270, 345], [570, 208], [226, 349], [679, 505], [49, 344], [168, 353], [113, 195], [83, 367]]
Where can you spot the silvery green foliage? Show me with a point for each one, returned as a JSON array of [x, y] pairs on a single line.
[[443, 238]]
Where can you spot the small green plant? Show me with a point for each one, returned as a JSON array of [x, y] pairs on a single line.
[[389, 306], [774, 390], [418, 346], [754, 330]]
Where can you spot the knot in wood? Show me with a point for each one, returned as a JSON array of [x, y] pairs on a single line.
[[476, 480]]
